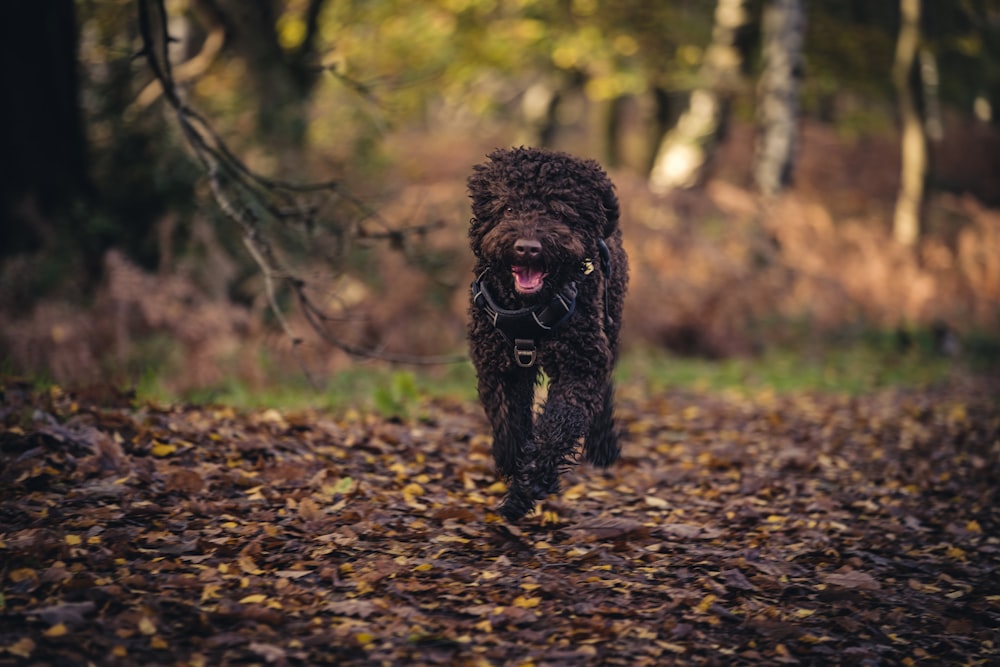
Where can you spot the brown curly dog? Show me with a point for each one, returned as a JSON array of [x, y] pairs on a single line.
[[551, 276]]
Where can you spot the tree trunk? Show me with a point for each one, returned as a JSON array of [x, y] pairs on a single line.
[[909, 203], [283, 81], [43, 156], [778, 94], [612, 120], [539, 114], [683, 157]]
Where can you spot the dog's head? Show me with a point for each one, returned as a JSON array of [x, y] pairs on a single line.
[[538, 215]]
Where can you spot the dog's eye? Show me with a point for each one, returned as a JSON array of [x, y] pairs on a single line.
[[508, 210]]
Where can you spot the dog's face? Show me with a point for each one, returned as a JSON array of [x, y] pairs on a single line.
[[532, 247], [538, 215]]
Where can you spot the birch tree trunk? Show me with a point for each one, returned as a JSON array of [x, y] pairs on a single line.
[[778, 94], [683, 156], [906, 222]]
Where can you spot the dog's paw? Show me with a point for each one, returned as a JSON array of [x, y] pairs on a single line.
[[515, 505], [603, 456]]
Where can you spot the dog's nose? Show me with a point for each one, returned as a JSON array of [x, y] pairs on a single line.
[[527, 249]]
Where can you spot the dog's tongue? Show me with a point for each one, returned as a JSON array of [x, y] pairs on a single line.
[[527, 279]]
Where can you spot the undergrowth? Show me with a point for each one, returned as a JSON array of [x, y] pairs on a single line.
[[854, 365]]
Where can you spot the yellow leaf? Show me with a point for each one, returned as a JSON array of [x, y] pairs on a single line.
[[496, 488], [526, 603], [365, 637], [256, 598], [973, 527], [146, 626], [57, 630], [248, 566], [73, 540], [22, 574], [159, 643], [706, 603], [956, 553], [22, 648], [423, 567], [162, 449], [119, 651], [804, 613], [210, 592], [673, 648]]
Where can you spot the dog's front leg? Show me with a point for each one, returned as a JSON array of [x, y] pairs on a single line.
[[507, 397], [579, 374], [572, 404], [601, 447]]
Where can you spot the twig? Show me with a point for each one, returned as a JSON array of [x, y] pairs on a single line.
[[241, 192]]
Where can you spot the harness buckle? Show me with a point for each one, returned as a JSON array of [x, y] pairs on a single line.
[[524, 352]]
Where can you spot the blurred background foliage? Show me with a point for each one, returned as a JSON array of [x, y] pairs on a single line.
[[116, 265]]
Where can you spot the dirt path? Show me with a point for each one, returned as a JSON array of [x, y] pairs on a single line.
[[789, 529]]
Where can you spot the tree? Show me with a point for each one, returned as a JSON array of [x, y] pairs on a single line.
[[684, 154], [283, 77], [906, 222], [778, 94], [43, 168]]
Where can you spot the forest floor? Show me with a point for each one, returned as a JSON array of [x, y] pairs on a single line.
[[801, 528]]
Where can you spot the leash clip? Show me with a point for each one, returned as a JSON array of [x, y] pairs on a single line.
[[524, 352]]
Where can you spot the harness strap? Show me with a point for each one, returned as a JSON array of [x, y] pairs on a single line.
[[525, 326]]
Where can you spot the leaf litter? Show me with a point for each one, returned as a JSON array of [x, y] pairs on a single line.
[[736, 530]]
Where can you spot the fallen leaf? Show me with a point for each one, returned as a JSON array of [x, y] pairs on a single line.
[[851, 579], [163, 449], [57, 630], [255, 598], [526, 602]]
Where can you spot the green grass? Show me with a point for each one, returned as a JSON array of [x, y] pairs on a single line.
[[367, 387], [853, 365], [855, 370]]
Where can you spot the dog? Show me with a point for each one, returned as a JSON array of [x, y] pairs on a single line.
[[550, 281]]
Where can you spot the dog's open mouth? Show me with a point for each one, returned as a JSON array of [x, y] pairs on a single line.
[[528, 279]]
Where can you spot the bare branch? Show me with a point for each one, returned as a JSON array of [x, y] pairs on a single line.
[[244, 195]]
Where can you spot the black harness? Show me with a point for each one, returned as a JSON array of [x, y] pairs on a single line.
[[526, 327]]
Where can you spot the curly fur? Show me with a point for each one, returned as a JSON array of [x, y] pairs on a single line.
[[566, 206]]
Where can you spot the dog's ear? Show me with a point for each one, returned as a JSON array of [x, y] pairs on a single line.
[[488, 189], [609, 202]]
